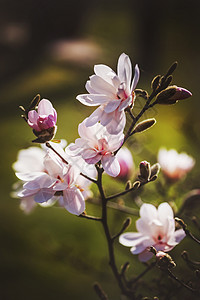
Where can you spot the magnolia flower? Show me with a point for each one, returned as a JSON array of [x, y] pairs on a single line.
[[125, 160], [156, 227], [56, 178], [174, 165], [97, 144], [32, 160], [112, 93], [43, 121]]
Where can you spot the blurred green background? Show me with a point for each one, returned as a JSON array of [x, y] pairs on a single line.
[[50, 47]]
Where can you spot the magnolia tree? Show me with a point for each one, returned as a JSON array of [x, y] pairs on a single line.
[[56, 173]]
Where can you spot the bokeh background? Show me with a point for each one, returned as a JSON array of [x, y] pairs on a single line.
[[50, 47]]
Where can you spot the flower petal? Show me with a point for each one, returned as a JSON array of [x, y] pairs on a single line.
[[45, 107], [136, 78], [110, 165], [73, 201], [145, 256], [124, 69], [92, 99], [112, 105], [130, 239], [102, 87]]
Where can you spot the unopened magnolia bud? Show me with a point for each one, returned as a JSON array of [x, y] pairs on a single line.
[[136, 185], [128, 185], [125, 267], [164, 96], [184, 255], [155, 82], [180, 222], [126, 223], [164, 260], [172, 68], [155, 169], [181, 94], [144, 125], [167, 81], [145, 170], [102, 295]]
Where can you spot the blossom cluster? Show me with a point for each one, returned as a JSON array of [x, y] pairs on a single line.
[[64, 174]]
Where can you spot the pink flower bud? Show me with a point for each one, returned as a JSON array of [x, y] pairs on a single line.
[[125, 160], [181, 94], [44, 118]]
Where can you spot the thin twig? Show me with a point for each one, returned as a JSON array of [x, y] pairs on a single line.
[[90, 217], [169, 272], [66, 162]]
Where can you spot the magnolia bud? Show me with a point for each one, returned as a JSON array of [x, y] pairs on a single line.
[[155, 169], [128, 185], [155, 82], [181, 94], [164, 260], [172, 94], [144, 125], [164, 96], [145, 170]]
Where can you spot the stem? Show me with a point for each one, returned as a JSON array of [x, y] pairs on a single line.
[[90, 217], [66, 162], [110, 241], [182, 283], [149, 267]]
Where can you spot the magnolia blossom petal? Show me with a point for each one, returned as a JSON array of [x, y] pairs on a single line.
[[145, 256], [165, 211], [124, 69], [43, 195], [112, 105], [101, 86], [110, 165], [94, 160], [27, 204], [125, 103], [73, 201], [131, 239], [45, 107], [104, 72], [117, 123], [92, 99], [148, 212], [94, 117], [29, 176], [136, 78], [44, 181], [179, 235], [29, 160], [138, 249]]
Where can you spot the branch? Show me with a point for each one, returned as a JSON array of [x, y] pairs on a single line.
[[66, 162], [187, 232]]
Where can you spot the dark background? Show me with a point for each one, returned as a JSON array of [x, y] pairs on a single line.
[[50, 47]]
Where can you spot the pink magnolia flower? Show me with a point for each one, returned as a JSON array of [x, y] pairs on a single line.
[[156, 227], [112, 93], [126, 163], [175, 165], [45, 117], [97, 144], [58, 179]]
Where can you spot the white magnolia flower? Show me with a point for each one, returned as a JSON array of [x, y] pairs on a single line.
[[156, 227], [112, 93], [97, 144], [52, 179], [125, 160], [175, 165]]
